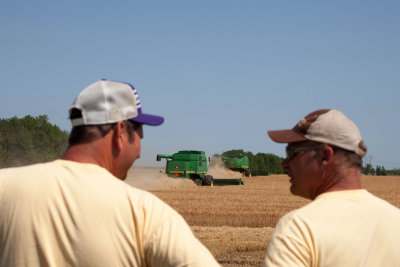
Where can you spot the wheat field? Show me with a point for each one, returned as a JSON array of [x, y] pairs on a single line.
[[235, 222]]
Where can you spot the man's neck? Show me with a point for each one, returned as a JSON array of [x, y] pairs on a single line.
[[88, 153], [348, 180]]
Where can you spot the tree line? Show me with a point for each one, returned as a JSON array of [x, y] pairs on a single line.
[[30, 140], [379, 171]]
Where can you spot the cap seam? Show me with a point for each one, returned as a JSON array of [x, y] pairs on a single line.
[[107, 104]]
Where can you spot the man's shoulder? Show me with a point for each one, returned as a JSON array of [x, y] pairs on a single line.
[[27, 168], [340, 203], [356, 198], [146, 199], [324, 203]]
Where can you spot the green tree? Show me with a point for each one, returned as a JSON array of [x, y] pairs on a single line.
[[30, 140], [368, 170], [380, 171], [394, 172], [2, 152]]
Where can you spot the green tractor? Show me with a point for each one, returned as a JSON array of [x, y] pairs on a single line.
[[238, 163], [193, 164]]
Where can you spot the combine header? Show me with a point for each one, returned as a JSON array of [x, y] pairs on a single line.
[[193, 164]]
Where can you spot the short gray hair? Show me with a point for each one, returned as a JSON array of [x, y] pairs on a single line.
[[348, 158]]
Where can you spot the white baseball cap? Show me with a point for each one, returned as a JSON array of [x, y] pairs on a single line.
[[106, 102], [328, 126]]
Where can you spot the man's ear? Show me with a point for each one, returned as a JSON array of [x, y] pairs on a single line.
[[327, 155], [118, 135]]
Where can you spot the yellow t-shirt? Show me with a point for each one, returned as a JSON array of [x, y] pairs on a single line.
[[65, 213], [341, 228]]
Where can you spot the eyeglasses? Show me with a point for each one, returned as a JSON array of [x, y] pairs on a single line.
[[292, 151]]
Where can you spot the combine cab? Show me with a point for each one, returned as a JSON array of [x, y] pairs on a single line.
[[238, 163], [193, 164]]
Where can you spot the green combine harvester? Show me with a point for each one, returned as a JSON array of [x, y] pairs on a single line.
[[193, 164], [239, 164]]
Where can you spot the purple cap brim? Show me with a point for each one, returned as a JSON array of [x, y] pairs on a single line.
[[148, 119]]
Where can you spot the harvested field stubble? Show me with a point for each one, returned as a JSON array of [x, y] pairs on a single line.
[[260, 202], [235, 222], [235, 246], [385, 187]]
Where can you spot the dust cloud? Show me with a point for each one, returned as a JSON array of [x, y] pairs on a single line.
[[155, 179], [218, 170]]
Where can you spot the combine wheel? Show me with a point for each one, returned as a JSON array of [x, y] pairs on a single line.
[[247, 173], [197, 181], [208, 180]]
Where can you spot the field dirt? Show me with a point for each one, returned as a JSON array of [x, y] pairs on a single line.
[[235, 222]]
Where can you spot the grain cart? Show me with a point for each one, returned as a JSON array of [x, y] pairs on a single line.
[[193, 164], [238, 163]]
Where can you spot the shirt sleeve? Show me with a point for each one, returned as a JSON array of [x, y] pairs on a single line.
[[290, 244], [170, 241]]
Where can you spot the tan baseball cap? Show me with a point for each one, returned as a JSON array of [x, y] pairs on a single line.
[[328, 126]]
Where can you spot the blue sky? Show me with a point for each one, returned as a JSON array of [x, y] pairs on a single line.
[[222, 73]]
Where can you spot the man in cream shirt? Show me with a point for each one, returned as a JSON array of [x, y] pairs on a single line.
[[77, 211], [344, 225]]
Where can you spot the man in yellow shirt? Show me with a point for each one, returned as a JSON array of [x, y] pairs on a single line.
[[77, 211], [344, 225]]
